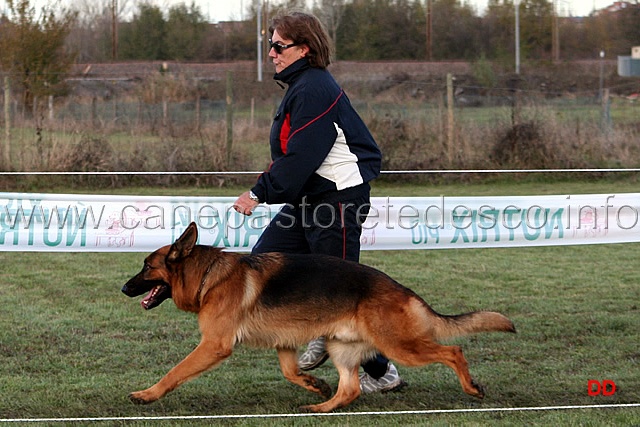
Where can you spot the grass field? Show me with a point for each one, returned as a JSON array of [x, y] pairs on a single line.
[[72, 345]]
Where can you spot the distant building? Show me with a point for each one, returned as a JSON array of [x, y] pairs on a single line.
[[614, 8], [629, 66]]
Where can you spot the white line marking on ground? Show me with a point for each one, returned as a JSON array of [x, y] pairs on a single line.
[[331, 414]]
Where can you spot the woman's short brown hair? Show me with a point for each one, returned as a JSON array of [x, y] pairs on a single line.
[[304, 28]]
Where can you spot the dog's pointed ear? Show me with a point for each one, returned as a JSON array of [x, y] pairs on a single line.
[[182, 247]]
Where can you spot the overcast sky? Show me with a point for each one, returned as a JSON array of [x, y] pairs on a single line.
[[230, 10], [224, 10]]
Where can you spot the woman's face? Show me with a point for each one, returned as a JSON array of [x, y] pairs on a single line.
[[289, 53]]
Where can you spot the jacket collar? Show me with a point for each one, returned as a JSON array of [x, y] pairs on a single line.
[[290, 73]]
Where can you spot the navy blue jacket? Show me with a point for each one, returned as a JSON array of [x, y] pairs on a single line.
[[319, 143]]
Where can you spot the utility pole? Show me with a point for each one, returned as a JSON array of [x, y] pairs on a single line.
[[517, 6], [600, 92], [555, 34], [429, 32], [6, 154], [114, 29], [259, 39]]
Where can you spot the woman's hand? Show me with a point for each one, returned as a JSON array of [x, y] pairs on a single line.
[[244, 204]]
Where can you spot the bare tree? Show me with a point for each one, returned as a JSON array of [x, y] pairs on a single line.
[[96, 35], [32, 47], [330, 13]]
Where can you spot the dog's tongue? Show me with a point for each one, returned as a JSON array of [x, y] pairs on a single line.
[[146, 301]]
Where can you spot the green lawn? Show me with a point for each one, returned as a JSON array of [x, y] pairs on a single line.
[[72, 345]]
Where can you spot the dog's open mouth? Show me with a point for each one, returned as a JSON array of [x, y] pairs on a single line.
[[155, 297]]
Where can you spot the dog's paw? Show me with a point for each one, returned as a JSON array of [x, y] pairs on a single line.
[[480, 390], [306, 409], [313, 409], [141, 398], [319, 386], [324, 389]]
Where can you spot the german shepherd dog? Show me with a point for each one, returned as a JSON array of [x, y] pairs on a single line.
[[283, 301]]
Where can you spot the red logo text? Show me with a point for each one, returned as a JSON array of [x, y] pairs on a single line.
[[604, 387]]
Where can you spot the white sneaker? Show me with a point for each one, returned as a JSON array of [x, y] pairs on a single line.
[[315, 355], [390, 381]]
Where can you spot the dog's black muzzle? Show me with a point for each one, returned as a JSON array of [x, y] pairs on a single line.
[[158, 291]]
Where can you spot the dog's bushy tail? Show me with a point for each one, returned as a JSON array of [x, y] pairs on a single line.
[[472, 323]]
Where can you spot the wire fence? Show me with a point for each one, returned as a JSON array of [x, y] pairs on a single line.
[[125, 96], [384, 172], [131, 111], [185, 124]]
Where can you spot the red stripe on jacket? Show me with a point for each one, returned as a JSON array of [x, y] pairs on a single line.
[[286, 125], [284, 133]]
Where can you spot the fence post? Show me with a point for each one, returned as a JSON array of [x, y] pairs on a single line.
[[514, 87], [165, 112], [253, 110], [7, 124], [139, 120], [197, 126], [229, 116], [50, 107], [94, 112], [115, 107], [606, 110]]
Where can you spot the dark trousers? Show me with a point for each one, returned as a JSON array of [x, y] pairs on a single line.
[[331, 225]]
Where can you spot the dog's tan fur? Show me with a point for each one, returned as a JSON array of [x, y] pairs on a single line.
[[283, 301]]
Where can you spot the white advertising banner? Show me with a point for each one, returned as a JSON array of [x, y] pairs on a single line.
[[94, 223]]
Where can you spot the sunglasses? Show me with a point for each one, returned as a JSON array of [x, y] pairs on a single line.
[[279, 47]]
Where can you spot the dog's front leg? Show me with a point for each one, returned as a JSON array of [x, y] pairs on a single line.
[[206, 355], [289, 366]]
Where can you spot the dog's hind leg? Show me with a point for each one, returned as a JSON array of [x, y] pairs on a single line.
[[424, 351], [289, 365], [346, 358], [348, 390]]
